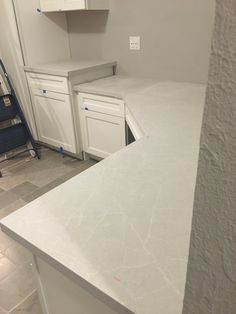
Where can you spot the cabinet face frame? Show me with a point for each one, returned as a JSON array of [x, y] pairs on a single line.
[[105, 117]]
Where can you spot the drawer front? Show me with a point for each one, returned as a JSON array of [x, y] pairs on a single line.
[[51, 83], [49, 94], [106, 105]]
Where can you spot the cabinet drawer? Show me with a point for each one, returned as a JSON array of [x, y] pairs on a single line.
[[106, 105], [52, 83], [49, 94]]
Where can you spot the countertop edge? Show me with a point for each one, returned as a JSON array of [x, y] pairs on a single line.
[[83, 283], [82, 89], [65, 270], [43, 70]]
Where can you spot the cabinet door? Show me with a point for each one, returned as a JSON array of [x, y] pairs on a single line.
[[62, 5], [71, 5], [103, 135], [51, 5], [54, 119]]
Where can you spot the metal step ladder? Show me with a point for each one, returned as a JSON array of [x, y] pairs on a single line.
[[15, 135]]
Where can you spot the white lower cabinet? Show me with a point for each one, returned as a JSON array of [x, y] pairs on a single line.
[[62, 294], [54, 119], [55, 109], [103, 124]]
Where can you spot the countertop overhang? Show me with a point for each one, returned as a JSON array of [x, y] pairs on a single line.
[[123, 227], [68, 68]]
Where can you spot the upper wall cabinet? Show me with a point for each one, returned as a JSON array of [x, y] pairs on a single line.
[[72, 5]]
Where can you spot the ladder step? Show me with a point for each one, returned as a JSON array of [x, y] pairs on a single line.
[[7, 108], [19, 134], [13, 137]]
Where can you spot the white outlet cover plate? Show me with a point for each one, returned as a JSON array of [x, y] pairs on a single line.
[[134, 43]]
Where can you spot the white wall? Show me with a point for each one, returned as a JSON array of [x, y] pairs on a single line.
[[44, 37], [175, 37]]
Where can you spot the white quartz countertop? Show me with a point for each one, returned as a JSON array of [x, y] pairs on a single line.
[[123, 226], [116, 86], [69, 67]]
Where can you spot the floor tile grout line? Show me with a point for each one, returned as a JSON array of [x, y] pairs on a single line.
[[69, 168], [3, 310], [17, 268], [12, 261], [22, 301], [16, 164]]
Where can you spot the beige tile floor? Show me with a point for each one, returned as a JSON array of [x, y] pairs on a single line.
[[24, 179]]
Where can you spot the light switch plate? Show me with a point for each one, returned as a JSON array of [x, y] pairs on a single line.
[[134, 43]]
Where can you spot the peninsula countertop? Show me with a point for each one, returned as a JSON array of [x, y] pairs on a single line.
[[68, 68], [123, 226]]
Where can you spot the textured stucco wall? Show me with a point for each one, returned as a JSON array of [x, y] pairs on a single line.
[[211, 280]]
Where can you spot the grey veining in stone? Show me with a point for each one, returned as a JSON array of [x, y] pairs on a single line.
[[124, 225], [116, 86], [69, 67]]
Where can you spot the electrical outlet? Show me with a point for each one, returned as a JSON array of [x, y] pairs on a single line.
[[134, 43]]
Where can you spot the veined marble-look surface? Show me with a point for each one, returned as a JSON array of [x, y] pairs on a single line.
[[117, 86], [124, 225]]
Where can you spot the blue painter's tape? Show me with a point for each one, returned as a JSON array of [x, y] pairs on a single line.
[[61, 150]]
